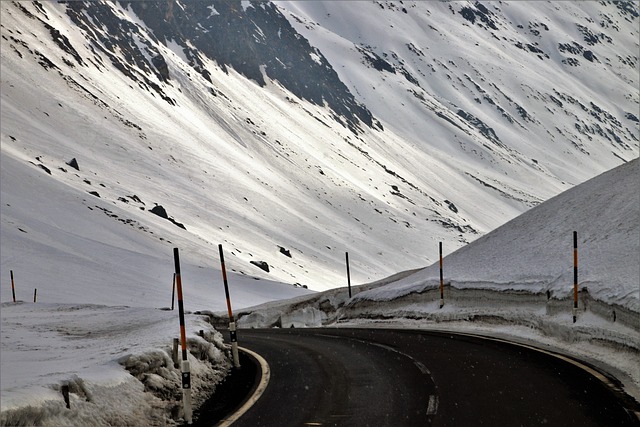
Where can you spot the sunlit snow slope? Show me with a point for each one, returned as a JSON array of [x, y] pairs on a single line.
[[533, 253], [478, 112]]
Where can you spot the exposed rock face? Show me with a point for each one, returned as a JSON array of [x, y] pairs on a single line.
[[74, 164], [162, 213], [261, 264], [257, 41]]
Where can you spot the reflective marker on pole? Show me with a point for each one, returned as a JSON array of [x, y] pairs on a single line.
[[441, 278], [575, 275], [186, 368], [13, 287], [232, 323]]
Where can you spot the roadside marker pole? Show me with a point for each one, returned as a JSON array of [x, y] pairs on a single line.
[[13, 287], [346, 254], [575, 275], [186, 368], [173, 291], [441, 277], [232, 323], [35, 294]]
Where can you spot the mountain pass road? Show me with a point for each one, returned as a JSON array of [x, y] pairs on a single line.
[[385, 377]]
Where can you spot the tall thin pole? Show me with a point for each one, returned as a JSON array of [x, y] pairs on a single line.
[[441, 277], [575, 275], [13, 287], [173, 291], [232, 323], [346, 254], [186, 368]]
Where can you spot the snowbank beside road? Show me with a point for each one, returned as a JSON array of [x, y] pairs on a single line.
[[116, 360]]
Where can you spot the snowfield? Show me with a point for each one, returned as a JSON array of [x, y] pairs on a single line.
[[116, 361]]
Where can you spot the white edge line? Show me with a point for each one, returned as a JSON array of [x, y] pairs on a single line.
[[262, 386], [567, 358]]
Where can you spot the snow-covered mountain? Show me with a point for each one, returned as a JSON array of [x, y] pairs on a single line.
[[293, 132]]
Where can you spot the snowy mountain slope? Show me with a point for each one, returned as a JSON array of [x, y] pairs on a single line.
[[77, 248], [533, 253], [492, 79], [271, 157], [529, 260]]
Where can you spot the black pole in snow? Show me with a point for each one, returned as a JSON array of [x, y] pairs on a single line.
[[173, 291], [441, 277], [575, 275], [348, 274], [13, 287]]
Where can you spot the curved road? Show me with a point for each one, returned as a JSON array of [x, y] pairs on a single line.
[[382, 377]]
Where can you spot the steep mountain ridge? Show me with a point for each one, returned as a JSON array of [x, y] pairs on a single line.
[[305, 128], [495, 75]]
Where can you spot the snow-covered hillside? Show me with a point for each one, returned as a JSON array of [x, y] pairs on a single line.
[[533, 253], [470, 126]]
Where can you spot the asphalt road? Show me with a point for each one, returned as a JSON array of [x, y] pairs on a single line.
[[381, 377]]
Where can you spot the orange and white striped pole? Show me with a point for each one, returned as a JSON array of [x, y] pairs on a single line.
[[13, 287], [575, 276], [185, 367], [232, 323], [441, 277]]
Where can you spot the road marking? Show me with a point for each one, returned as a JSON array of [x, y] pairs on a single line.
[[262, 386], [418, 364], [432, 407], [600, 376], [330, 336]]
